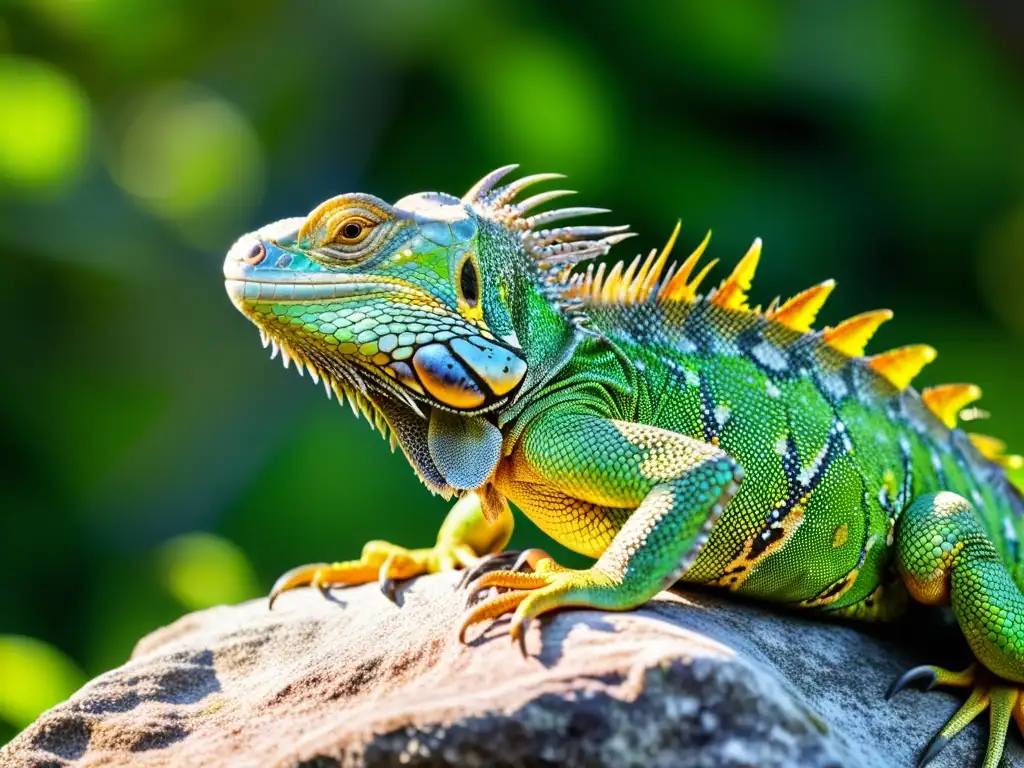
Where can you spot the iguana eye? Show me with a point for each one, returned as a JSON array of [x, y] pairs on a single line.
[[352, 229], [347, 228]]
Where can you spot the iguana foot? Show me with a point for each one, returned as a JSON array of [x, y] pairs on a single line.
[[1004, 700], [510, 560], [380, 561], [549, 587]]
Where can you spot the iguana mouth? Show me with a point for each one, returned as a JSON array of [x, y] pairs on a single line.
[[466, 374], [311, 288], [429, 361]]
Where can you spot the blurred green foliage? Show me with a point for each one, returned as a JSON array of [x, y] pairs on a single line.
[[156, 462]]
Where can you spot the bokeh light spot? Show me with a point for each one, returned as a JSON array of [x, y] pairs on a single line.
[[44, 135], [192, 159], [34, 676], [202, 570]]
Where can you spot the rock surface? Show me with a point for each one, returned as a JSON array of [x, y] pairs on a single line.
[[693, 679]]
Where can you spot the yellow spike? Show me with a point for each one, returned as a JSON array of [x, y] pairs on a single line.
[[948, 400], [688, 265], [648, 277], [852, 336], [635, 287], [671, 243], [732, 294], [598, 284], [651, 277], [901, 366], [677, 283], [993, 449], [990, 447], [588, 280], [800, 312], [654, 264], [630, 273], [689, 292], [611, 283], [652, 267], [627, 281]]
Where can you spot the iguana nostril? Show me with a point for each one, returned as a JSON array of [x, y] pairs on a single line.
[[256, 254]]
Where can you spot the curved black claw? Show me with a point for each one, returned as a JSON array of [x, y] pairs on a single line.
[[499, 561], [923, 674], [296, 577], [527, 558], [387, 584], [522, 638], [935, 746]]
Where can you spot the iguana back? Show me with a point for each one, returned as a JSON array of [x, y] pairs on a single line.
[[834, 452]]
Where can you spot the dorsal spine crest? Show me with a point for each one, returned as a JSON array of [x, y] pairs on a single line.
[[851, 336], [652, 279], [948, 400], [901, 366], [800, 312], [732, 293]]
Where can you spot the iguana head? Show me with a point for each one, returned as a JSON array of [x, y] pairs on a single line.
[[432, 304]]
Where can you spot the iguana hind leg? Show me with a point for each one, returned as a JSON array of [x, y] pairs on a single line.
[[464, 537], [945, 556], [676, 487]]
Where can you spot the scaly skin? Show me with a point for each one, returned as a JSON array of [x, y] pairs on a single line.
[[669, 435]]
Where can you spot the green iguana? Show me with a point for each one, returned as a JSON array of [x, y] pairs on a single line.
[[668, 434]]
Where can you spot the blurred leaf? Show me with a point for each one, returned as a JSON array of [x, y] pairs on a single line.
[[35, 676], [44, 133], [202, 570]]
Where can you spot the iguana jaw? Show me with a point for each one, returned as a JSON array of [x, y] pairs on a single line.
[[401, 414], [368, 337]]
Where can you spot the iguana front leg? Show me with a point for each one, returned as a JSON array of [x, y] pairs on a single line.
[[945, 556], [676, 487], [464, 536]]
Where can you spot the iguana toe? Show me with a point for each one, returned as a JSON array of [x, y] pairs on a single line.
[[1002, 698], [381, 562], [509, 560], [930, 677], [531, 594], [300, 576], [498, 561]]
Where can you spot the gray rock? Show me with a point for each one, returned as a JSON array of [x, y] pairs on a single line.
[[689, 680]]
